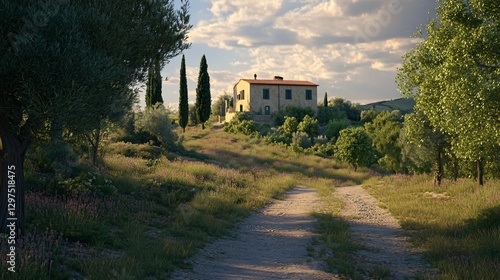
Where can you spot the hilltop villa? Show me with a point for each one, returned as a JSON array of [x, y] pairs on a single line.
[[264, 97]]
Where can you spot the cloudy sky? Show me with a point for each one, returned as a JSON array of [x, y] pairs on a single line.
[[351, 48]]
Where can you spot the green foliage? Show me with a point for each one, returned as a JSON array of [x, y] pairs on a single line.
[[368, 115], [56, 158], [290, 126], [203, 98], [351, 111], [292, 111], [84, 183], [423, 144], [193, 116], [156, 122], [384, 132], [301, 140], [153, 89], [325, 100], [323, 147], [354, 147], [221, 103], [326, 114], [310, 126], [70, 64], [241, 123], [453, 76], [143, 151], [334, 127], [183, 97]]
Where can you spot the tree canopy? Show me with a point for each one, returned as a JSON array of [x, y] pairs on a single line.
[[72, 63], [454, 76], [153, 90], [203, 96], [183, 97], [354, 146]]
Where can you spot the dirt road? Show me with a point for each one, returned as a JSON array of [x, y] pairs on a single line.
[[271, 244], [386, 249]]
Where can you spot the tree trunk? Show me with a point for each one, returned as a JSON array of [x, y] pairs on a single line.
[[12, 209], [95, 145], [480, 172], [455, 168], [202, 125], [438, 177]]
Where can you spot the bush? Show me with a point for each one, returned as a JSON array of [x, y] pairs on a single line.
[[354, 147], [292, 111], [55, 157], [144, 151], [156, 122], [84, 183], [334, 127], [276, 136], [241, 123], [327, 114], [290, 126], [323, 149], [302, 140], [310, 126]]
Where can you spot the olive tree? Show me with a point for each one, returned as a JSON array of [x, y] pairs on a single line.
[[70, 64]]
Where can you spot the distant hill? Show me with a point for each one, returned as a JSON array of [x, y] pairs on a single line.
[[404, 105]]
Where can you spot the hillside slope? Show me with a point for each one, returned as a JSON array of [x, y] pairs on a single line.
[[404, 105]]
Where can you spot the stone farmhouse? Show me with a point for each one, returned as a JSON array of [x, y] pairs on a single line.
[[265, 97]]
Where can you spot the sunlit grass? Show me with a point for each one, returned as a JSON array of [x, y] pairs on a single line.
[[458, 224]]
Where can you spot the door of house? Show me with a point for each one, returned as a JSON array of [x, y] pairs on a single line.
[[267, 110], [241, 108]]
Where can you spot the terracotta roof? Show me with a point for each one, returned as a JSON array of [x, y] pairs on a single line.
[[279, 82]]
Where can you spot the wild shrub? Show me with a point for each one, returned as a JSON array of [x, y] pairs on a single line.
[[302, 140], [84, 183], [156, 121], [292, 111], [241, 123], [334, 127]]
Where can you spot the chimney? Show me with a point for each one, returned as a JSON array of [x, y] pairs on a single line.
[[255, 76], [279, 78]]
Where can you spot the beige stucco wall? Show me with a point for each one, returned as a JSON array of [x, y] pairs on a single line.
[[242, 85], [277, 97], [254, 101]]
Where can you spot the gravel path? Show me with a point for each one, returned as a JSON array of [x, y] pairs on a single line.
[[385, 243], [271, 244]]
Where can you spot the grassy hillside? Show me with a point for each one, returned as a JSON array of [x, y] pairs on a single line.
[[146, 210], [404, 105]]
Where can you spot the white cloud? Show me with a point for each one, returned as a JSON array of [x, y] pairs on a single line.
[[351, 48]]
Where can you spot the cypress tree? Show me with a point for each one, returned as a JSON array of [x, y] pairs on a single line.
[[203, 98], [183, 97], [325, 101], [153, 90]]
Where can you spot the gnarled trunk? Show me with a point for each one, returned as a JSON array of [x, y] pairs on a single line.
[[12, 207]]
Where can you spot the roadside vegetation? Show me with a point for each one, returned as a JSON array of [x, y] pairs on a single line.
[[457, 226], [146, 208]]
